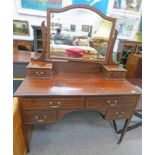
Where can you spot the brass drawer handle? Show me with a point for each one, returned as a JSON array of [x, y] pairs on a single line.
[[58, 102], [55, 106], [111, 104], [50, 103], [108, 101], [115, 101], [114, 74], [119, 116], [116, 113], [39, 73], [41, 120]]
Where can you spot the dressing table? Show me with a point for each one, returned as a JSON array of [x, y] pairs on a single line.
[[57, 85]]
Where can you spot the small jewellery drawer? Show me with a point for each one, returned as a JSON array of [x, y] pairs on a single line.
[[116, 75], [119, 113], [110, 101], [52, 103], [39, 72], [39, 116]]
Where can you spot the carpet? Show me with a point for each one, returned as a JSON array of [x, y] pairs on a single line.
[[16, 84], [84, 133]]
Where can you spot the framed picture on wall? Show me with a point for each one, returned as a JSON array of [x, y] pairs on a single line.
[[39, 7], [21, 28], [101, 5], [85, 28], [125, 6], [72, 28], [127, 27]]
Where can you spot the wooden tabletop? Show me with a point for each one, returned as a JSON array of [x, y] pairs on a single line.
[[114, 68], [72, 84], [40, 65]]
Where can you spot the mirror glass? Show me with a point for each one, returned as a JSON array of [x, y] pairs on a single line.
[[79, 33]]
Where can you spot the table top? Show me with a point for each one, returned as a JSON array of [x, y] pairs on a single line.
[[75, 84], [114, 68]]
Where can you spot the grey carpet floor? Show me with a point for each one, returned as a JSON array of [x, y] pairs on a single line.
[[84, 133]]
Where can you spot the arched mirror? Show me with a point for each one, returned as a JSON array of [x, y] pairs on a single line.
[[79, 32]]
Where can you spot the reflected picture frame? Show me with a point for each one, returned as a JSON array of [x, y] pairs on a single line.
[[85, 28], [73, 28]]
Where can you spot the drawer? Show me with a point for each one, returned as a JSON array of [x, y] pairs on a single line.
[[117, 75], [39, 116], [119, 113], [39, 72], [52, 103], [110, 101]]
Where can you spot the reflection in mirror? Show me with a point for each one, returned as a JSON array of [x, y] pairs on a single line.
[[79, 33]]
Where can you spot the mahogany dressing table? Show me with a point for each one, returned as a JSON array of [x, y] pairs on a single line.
[[56, 86]]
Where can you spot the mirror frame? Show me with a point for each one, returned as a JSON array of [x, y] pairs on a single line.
[[108, 56]]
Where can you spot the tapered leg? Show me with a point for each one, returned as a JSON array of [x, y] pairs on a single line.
[[27, 131], [126, 124], [115, 126]]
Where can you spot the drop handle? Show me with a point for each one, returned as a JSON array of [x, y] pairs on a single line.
[[111, 104], [116, 113], [41, 120], [54, 106], [58, 102], [115, 101]]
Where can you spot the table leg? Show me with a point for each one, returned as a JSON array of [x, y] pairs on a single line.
[[27, 131], [126, 124]]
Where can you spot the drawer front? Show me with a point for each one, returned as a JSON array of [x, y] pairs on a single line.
[[119, 113], [39, 72], [111, 101], [117, 75], [39, 116], [53, 103]]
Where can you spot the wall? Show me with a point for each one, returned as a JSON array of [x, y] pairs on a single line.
[[33, 20]]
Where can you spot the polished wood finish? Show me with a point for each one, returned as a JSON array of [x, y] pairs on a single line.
[[39, 117], [75, 85], [48, 100], [113, 72], [110, 54], [39, 69], [52, 103], [110, 101], [134, 66]]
